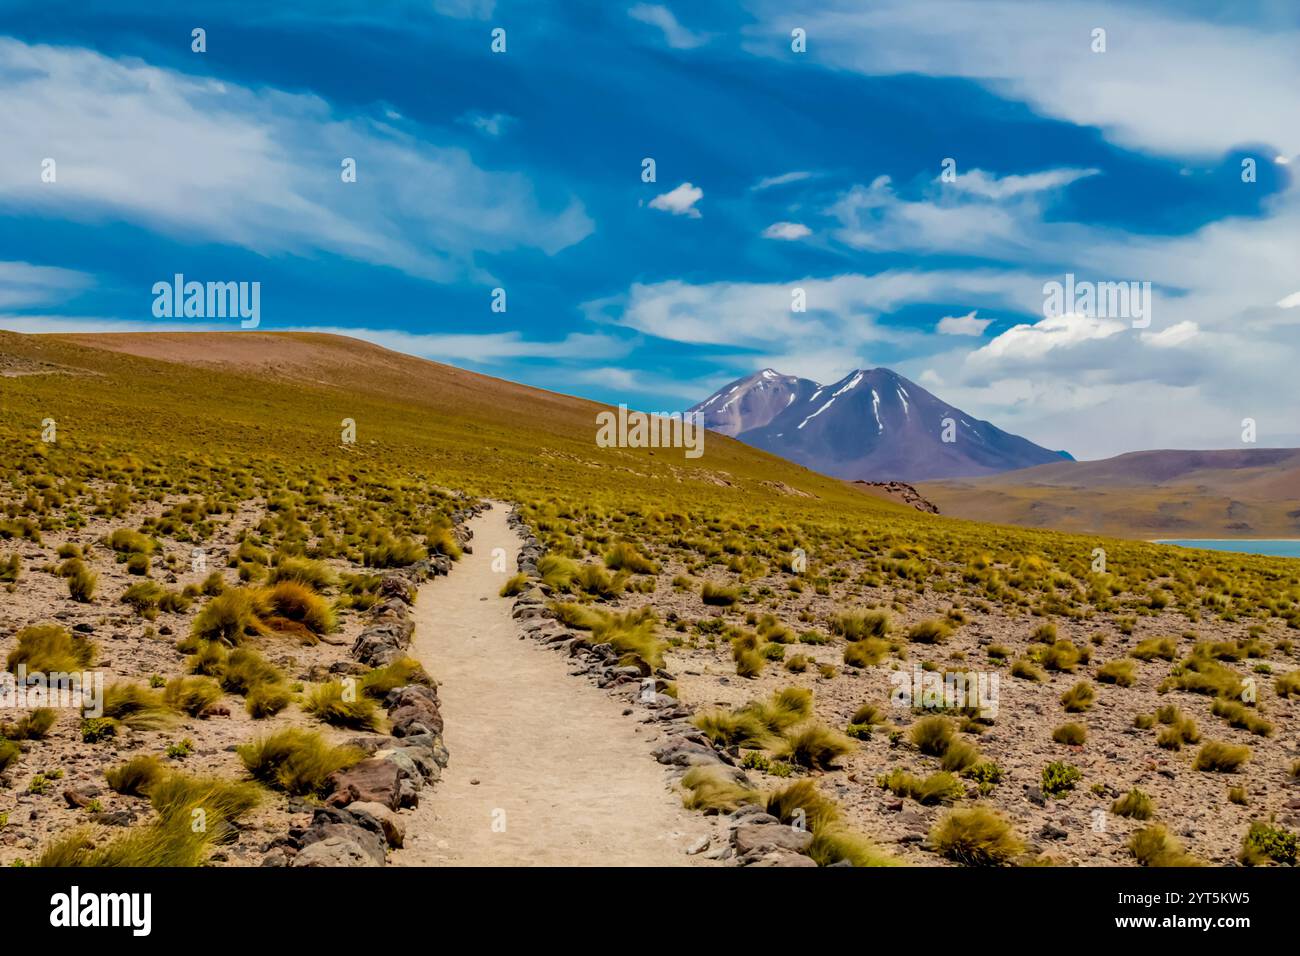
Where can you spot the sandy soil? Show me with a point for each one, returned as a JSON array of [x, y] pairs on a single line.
[[545, 770]]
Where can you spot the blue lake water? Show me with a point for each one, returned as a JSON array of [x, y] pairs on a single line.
[[1273, 548]]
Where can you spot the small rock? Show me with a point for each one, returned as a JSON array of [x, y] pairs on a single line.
[[699, 846]]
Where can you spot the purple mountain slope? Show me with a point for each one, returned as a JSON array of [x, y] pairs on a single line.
[[872, 424]]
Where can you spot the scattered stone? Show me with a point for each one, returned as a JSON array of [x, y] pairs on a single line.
[[373, 780], [390, 823]]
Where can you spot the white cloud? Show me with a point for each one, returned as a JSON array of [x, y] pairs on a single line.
[[758, 315], [680, 201], [23, 285], [989, 186], [1173, 336], [768, 182], [152, 146], [675, 35], [962, 324], [489, 124], [980, 214], [1290, 301], [636, 382], [1241, 78], [787, 230], [1033, 342]]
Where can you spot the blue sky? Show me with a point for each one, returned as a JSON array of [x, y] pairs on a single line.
[[775, 170]]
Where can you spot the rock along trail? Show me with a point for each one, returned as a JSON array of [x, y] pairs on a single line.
[[548, 754]]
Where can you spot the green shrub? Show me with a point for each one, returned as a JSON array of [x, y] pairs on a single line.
[[245, 669], [1134, 804], [801, 801], [143, 596], [1288, 685], [231, 616], [1061, 656], [1025, 670], [932, 735], [48, 648], [172, 840], [295, 760], [834, 843], [400, 673], [759, 723], [976, 836], [126, 541], [1059, 778], [941, 787], [868, 714], [1179, 730], [624, 556], [959, 757], [515, 584], [297, 608], [95, 729], [313, 574], [1120, 672], [33, 725], [1218, 757], [1266, 843], [9, 753], [718, 595], [134, 777], [1204, 675], [815, 745], [81, 584], [139, 708], [191, 695], [1153, 846], [935, 630], [711, 789], [1240, 716], [1070, 734], [861, 624], [1153, 647], [210, 659], [267, 700], [867, 652], [343, 706], [1078, 698]]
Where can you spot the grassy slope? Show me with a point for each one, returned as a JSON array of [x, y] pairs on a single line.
[[285, 394], [281, 396]]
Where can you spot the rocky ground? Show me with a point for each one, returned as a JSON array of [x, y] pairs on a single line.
[[1076, 828], [57, 783]]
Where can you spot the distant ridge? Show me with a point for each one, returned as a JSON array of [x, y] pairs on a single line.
[[1167, 493]]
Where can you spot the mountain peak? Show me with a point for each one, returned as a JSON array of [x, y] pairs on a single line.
[[871, 424]]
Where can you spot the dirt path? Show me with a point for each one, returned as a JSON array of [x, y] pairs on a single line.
[[544, 768]]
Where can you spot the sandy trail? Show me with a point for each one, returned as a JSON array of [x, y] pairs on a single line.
[[548, 755]]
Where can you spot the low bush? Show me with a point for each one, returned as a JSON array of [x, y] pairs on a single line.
[[295, 760]]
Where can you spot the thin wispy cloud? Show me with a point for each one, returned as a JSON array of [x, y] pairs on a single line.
[[150, 142], [768, 182], [674, 34], [788, 231]]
